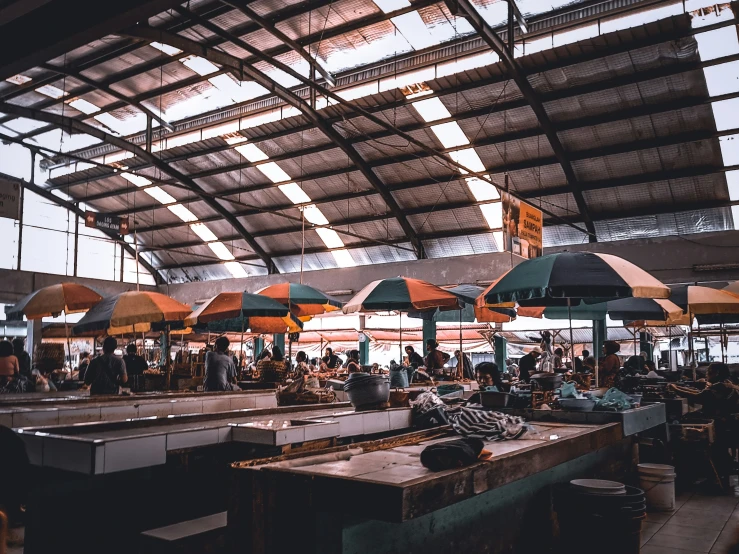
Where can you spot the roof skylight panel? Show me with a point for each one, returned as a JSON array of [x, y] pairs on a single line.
[[343, 258], [19, 79], [294, 193], [202, 231], [52, 92], [450, 134], [199, 65], [82, 105], [330, 237], [180, 211], [415, 31], [314, 215], [166, 48], [220, 250], [236, 269], [160, 195], [431, 109], [273, 172]]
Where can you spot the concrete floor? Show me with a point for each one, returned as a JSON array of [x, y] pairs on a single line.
[[700, 523]]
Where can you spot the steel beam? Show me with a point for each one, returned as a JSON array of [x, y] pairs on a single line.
[[487, 33], [106, 89], [569, 92], [604, 216], [325, 127], [281, 15], [243, 7], [72, 125]]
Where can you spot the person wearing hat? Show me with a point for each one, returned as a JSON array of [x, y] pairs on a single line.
[[527, 364], [610, 366], [434, 361]]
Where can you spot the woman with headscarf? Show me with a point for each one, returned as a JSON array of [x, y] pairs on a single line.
[[610, 366]]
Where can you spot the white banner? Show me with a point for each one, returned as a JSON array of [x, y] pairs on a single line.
[[10, 199]]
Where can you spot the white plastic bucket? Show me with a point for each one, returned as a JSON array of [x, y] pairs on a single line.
[[658, 483]]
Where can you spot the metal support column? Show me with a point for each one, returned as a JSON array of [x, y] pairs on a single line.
[[258, 346], [501, 351], [645, 344], [600, 335], [429, 332], [279, 340]]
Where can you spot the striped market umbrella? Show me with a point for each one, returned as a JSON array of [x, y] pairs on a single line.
[[624, 309], [67, 298], [133, 312], [54, 300], [570, 278], [244, 312], [709, 306], [303, 301], [401, 294]]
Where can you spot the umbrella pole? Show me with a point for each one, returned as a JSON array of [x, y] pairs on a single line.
[[721, 337], [572, 342], [460, 366], [400, 336], [669, 351], [69, 347]]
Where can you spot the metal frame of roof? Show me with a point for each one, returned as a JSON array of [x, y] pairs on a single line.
[[203, 174]]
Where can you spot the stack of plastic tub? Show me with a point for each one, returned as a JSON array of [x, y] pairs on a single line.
[[599, 516]]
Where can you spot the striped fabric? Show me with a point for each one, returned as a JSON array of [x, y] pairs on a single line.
[[482, 424]]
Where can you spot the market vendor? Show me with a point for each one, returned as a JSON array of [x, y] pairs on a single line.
[[610, 365], [435, 359], [135, 364], [719, 402], [488, 375], [332, 361], [527, 364], [220, 371], [415, 360], [107, 372], [720, 398]]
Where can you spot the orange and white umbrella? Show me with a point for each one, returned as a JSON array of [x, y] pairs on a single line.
[[52, 301], [133, 312]]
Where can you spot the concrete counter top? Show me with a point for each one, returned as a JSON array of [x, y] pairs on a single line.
[[118, 408]]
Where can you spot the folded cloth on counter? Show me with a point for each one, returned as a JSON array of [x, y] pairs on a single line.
[[426, 402], [453, 454], [495, 426]]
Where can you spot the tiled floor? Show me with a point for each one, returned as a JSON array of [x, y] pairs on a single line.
[[700, 523]]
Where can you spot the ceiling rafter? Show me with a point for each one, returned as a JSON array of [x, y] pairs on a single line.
[[599, 217], [570, 92], [326, 128], [639, 179], [264, 23], [287, 13], [576, 155], [486, 32], [72, 125], [110, 91], [673, 33]]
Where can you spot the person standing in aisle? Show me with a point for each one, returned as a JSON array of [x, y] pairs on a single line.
[[220, 370], [135, 364], [527, 364], [107, 372]]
